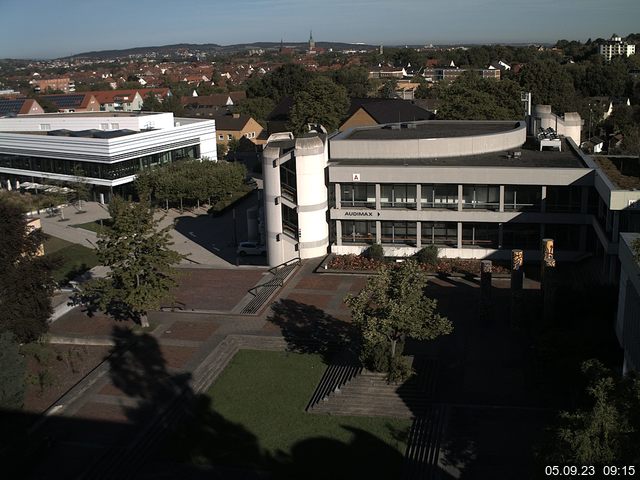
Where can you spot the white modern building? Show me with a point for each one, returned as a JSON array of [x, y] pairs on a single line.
[[474, 189], [615, 47], [110, 148]]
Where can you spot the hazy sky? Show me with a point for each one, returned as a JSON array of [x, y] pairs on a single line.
[[50, 28]]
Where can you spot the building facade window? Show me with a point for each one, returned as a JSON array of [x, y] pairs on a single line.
[[288, 180], [398, 233], [482, 197], [563, 199], [289, 222], [397, 196], [522, 198], [480, 235], [358, 232], [358, 195], [439, 196], [524, 236], [445, 234]]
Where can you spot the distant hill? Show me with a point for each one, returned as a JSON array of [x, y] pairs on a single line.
[[210, 48]]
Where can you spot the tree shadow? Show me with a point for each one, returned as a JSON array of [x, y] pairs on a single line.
[[308, 329]]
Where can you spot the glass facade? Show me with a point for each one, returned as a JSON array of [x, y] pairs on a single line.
[[289, 221], [358, 195], [288, 180], [482, 235], [483, 197], [445, 234], [521, 235], [397, 196], [522, 198], [563, 199], [439, 196], [106, 171], [399, 233], [358, 232]]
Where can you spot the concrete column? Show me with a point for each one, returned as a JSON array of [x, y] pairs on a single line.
[[548, 280], [517, 280], [378, 202], [459, 234], [378, 230], [419, 234], [584, 200], [500, 235], [543, 199], [338, 232], [615, 227], [486, 268], [613, 268], [418, 197], [501, 208], [338, 195], [460, 191]]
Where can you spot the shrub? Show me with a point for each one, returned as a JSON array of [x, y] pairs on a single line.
[[399, 369], [428, 255], [375, 252]]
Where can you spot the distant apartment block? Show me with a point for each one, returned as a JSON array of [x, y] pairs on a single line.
[[64, 84], [616, 47]]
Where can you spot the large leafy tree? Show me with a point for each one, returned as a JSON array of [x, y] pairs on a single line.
[[12, 370], [258, 108], [471, 97], [26, 283], [607, 428], [321, 102], [284, 81], [550, 84], [141, 263], [392, 306], [355, 80]]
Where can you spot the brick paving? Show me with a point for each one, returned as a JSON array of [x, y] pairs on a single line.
[[185, 330], [214, 289]]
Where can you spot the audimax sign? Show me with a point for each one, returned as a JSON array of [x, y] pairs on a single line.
[[360, 213]]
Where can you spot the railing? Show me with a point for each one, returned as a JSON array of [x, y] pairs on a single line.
[[292, 261]]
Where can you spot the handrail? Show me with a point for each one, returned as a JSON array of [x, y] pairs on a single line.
[[295, 260]]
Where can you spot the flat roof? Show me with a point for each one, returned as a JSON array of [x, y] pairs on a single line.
[[429, 129], [530, 157], [88, 114]]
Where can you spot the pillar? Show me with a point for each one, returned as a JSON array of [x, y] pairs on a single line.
[[338, 196], [460, 193], [338, 232], [501, 208], [548, 280], [486, 269], [459, 234], [378, 202], [418, 197], [419, 234], [517, 280], [543, 199]]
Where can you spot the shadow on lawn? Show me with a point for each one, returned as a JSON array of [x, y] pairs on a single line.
[[308, 329]]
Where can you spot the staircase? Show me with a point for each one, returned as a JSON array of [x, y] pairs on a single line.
[[423, 444], [263, 292]]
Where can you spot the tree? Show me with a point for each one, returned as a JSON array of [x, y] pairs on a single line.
[[284, 81], [550, 84], [257, 108], [140, 261], [607, 428], [471, 97], [151, 103], [388, 89], [321, 102], [26, 282], [393, 306], [12, 371], [355, 80], [80, 186]]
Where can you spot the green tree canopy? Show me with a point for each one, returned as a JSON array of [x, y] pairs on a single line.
[[284, 81], [321, 102], [12, 372], [607, 429], [141, 263], [471, 97], [258, 108], [392, 306], [550, 84], [355, 80], [26, 282]]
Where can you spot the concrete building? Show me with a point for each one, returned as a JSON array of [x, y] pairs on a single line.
[[615, 47], [474, 189], [628, 318], [110, 148]]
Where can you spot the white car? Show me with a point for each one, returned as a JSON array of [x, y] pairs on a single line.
[[250, 248]]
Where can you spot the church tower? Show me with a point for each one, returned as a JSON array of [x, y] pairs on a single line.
[[312, 43]]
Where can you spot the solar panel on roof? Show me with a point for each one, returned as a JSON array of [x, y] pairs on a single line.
[[67, 101], [11, 107]]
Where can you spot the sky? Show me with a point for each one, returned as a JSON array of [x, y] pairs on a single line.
[[50, 29]]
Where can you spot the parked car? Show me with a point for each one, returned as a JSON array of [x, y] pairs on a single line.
[[250, 248]]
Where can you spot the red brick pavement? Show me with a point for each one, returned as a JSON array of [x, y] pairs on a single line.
[[176, 357], [195, 331], [79, 323], [211, 289], [103, 412]]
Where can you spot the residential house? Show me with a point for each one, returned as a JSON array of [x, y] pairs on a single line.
[[64, 84], [19, 106], [237, 126], [74, 102], [376, 111]]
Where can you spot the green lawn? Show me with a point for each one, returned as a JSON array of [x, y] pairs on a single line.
[[94, 226], [253, 416], [74, 259]]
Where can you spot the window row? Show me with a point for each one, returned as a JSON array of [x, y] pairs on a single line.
[[108, 171], [445, 196], [479, 235]]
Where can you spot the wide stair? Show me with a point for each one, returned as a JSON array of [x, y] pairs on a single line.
[[423, 445], [263, 292]]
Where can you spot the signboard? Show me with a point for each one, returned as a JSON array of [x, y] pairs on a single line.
[[356, 177]]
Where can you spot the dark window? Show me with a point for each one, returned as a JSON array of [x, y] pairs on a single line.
[[522, 198], [358, 231], [358, 195], [289, 221], [483, 197], [439, 233], [521, 235], [399, 233], [439, 196], [484, 235], [563, 199], [397, 196]]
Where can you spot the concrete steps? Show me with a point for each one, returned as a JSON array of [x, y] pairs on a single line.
[[267, 289], [423, 446]]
